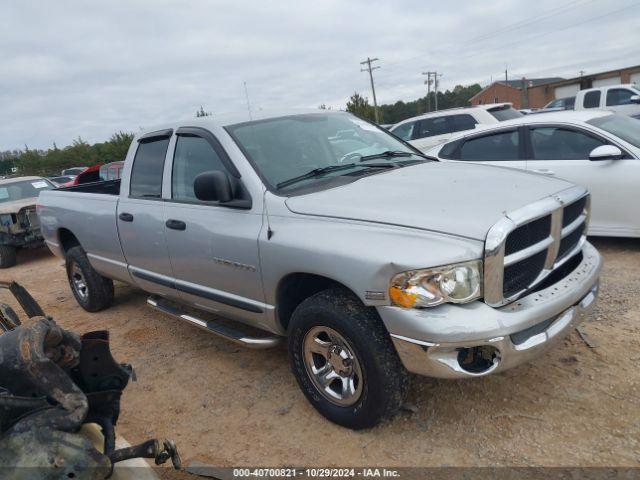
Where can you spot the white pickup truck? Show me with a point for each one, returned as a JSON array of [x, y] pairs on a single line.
[[624, 99]]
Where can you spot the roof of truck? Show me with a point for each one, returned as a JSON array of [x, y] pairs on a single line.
[[226, 119]]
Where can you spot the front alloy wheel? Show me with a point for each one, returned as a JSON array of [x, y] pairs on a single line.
[[333, 366]]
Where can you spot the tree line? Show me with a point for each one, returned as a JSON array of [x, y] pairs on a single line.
[[396, 112], [51, 162]]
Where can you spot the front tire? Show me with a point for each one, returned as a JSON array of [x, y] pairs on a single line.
[[344, 360], [7, 256], [92, 291]]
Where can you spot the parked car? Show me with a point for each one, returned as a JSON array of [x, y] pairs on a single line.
[[19, 224], [73, 171], [371, 258], [595, 148], [430, 129], [62, 181], [623, 99], [559, 104], [111, 171]]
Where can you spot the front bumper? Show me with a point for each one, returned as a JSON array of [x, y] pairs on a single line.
[[434, 342]]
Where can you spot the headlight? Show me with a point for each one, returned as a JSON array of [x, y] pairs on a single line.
[[459, 283]]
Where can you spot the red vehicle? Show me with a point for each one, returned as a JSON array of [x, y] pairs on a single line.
[[91, 174], [97, 173]]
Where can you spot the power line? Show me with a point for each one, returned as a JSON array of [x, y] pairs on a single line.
[[370, 69], [543, 16]]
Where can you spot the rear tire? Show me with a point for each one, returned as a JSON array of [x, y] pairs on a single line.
[[7, 256], [92, 291], [369, 381]]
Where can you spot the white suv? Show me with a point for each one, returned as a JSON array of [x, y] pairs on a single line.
[[428, 130]]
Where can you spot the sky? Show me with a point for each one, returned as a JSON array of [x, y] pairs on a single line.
[[87, 69]]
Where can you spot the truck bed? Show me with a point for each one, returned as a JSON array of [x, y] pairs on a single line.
[[88, 213], [108, 187]]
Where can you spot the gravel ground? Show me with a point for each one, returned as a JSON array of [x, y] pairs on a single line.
[[576, 406]]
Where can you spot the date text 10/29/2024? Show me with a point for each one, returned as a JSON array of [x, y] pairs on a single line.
[[315, 473]]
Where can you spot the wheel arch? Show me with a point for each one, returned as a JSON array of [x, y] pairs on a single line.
[[296, 287], [67, 240]]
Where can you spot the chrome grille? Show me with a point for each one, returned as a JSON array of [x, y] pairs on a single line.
[[528, 244]]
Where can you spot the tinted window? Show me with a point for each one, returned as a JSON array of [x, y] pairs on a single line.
[[552, 143], [619, 96], [146, 174], [555, 104], [448, 150], [404, 131], [459, 123], [592, 99], [499, 146], [503, 114], [193, 156], [430, 127], [569, 103]]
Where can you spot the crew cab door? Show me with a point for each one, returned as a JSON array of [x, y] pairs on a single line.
[[563, 151], [619, 99], [213, 247], [140, 217]]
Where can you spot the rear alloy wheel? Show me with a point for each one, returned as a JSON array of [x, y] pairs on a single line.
[[92, 291]]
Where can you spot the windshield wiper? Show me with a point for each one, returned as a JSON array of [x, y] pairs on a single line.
[[386, 154], [318, 172]]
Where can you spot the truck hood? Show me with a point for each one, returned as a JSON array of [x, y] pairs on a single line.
[[454, 198], [17, 205]]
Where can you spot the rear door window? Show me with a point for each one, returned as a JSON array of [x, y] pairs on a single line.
[[430, 127], [459, 123], [497, 146], [555, 143], [592, 99], [146, 174]]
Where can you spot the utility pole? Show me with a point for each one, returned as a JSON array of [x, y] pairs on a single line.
[[428, 83], [246, 94], [506, 77], [370, 69], [435, 87]]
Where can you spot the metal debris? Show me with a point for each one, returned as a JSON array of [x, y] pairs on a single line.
[[52, 381]]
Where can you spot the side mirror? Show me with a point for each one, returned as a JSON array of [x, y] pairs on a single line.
[[605, 152], [213, 186], [634, 99]]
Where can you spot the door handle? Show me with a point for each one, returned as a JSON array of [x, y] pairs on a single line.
[[176, 224], [545, 171], [126, 217]]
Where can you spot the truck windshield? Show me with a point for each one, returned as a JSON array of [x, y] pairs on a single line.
[[621, 126], [284, 148], [10, 192]]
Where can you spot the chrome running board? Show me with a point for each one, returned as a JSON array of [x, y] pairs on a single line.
[[224, 331]]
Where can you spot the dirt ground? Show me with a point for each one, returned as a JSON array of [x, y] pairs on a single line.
[[576, 406]]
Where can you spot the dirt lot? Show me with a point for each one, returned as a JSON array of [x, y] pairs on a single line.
[[230, 407]]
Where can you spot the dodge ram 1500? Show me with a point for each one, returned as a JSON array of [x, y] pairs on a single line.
[[373, 259]]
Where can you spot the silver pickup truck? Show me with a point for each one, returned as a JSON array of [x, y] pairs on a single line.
[[373, 259]]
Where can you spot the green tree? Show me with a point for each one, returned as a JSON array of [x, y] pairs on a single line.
[[359, 106], [202, 113]]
